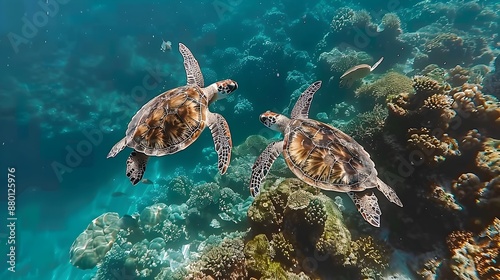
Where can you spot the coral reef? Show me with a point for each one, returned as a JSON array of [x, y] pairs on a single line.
[[223, 261], [334, 63], [370, 255], [434, 150], [91, 246], [475, 257], [366, 125], [386, 87], [492, 80], [303, 226]]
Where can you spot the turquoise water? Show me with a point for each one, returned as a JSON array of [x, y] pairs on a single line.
[[73, 74]]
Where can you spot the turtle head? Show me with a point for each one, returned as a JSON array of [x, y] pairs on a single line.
[[224, 88], [274, 121]]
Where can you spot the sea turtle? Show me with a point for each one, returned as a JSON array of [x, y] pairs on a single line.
[[322, 156], [173, 120], [357, 72]]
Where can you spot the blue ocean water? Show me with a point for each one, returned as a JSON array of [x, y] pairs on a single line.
[[74, 73]]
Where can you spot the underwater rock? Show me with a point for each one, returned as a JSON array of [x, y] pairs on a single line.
[[91, 246], [223, 261]]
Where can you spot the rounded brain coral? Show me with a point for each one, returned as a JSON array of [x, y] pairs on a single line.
[[91, 245]]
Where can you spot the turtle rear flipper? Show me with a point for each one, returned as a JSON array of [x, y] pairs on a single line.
[[136, 166], [118, 147], [222, 140], [389, 193], [367, 206]]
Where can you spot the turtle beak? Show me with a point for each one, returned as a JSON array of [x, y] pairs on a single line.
[[232, 85]]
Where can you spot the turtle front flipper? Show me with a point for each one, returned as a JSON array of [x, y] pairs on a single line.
[[222, 140], [263, 164], [389, 193], [301, 108], [118, 147], [367, 206], [192, 67], [136, 166]]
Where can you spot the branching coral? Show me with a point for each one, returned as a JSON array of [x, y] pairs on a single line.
[[368, 124], [372, 256], [476, 257], [433, 150], [204, 196], [343, 19], [225, 261], [446, 48], [178, 189], [284, 251], [391, 24], [155, 222], [425, 86], [259, 255], [315, 214], [470, 102]]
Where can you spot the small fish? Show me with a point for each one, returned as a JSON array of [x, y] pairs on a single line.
[[166, 46], [128, 222], [118, 194], [147, 181], [225, 217], [215, 224], [185, 251]]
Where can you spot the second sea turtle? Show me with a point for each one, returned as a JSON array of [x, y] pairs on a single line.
[[322, 156]]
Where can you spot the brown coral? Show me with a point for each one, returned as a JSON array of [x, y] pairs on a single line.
[[476, 257], [469, 102], [426, 86], [471, 140], [433, 150], [458, 76], [443, 198], [488, 158], [467, 188], [372, 256]]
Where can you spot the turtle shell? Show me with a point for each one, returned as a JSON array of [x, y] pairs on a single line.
[[169, 122], [326, 157]]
